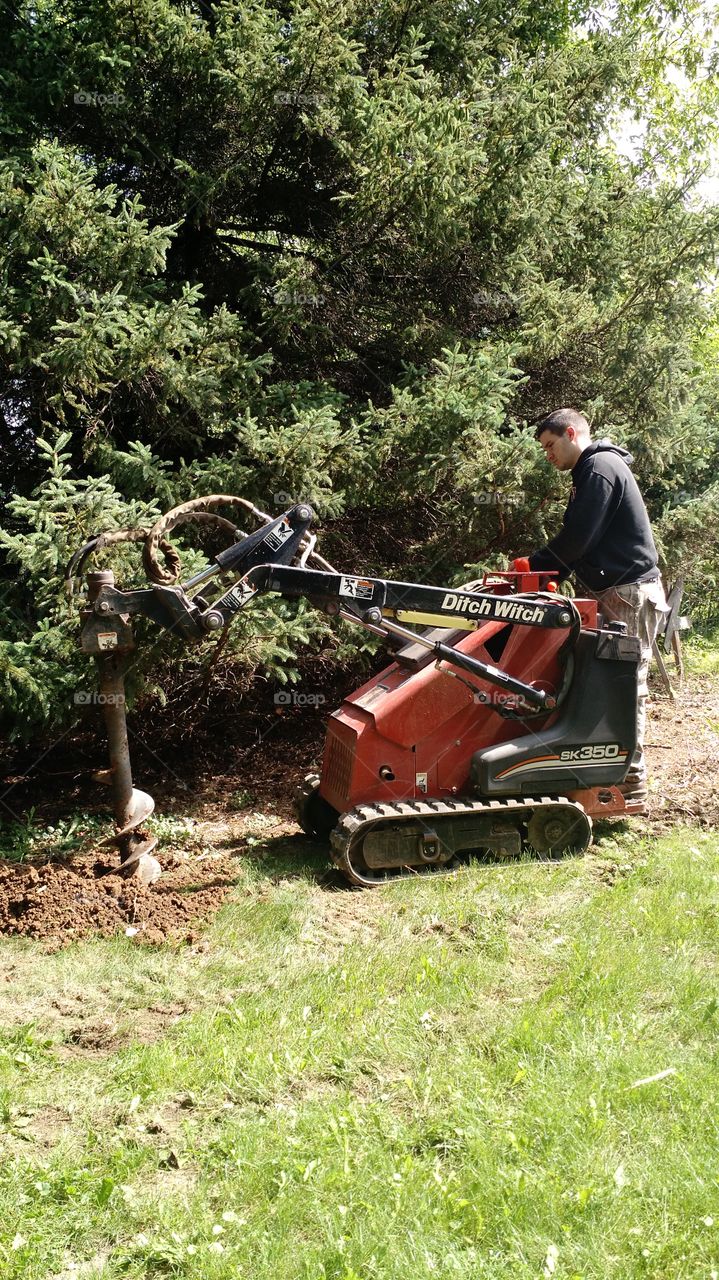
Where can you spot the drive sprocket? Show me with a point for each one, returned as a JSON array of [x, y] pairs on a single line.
[[555, 831]]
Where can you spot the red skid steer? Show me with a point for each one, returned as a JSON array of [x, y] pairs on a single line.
[[507, 720]]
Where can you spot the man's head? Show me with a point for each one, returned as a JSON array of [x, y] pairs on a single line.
[[564, 435]]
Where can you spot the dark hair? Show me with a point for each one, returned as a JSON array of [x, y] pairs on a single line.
[[558, 421]]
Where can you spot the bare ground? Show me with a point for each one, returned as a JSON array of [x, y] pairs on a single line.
[[683, 756]]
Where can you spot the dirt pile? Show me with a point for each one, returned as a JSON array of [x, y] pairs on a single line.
[[64, 902]]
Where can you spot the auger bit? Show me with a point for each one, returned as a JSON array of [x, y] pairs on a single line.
[[110, 640]]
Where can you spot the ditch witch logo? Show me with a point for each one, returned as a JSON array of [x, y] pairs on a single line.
[[512, 610]]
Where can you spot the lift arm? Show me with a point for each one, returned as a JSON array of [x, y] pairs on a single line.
[[378, 603]]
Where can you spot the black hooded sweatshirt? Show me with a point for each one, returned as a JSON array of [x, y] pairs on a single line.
[[605, 539]]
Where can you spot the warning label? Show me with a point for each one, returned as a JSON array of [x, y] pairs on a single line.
[[278, 535], [236, 597], [357, 588]]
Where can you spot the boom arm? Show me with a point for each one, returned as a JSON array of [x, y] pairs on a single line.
[[378, 603]]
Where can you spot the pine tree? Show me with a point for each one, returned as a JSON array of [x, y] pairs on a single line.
[[340, 252]]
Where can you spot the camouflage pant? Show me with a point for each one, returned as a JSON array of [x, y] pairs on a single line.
[[640, 605]]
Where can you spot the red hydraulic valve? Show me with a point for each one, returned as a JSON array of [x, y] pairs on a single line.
[[521, 565]]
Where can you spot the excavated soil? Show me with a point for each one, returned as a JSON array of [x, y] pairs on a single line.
[[57, 903], [64, 902]]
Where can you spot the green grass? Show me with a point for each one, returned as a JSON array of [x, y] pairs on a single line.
[[438, 1079]]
